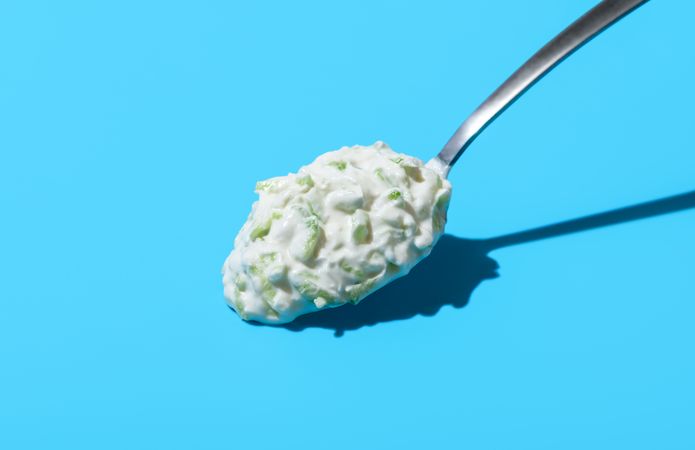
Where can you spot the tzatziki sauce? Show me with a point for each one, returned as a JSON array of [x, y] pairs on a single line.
[[332, 233]]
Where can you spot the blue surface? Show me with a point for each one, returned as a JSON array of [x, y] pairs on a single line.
[[131, 135]]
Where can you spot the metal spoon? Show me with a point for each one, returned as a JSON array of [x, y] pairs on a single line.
[[561, 46]]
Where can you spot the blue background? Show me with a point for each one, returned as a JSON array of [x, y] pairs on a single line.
[[131, 135]]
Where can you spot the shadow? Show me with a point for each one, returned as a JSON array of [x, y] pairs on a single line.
[[467, 262]]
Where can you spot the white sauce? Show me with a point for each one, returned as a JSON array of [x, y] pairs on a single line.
[[343, 226]]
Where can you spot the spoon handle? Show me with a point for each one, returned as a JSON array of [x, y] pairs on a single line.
[[570, 39]]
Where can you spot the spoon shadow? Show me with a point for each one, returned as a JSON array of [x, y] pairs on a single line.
[[467, 262]]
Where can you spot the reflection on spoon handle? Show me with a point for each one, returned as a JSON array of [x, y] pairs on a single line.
[[571, 38]]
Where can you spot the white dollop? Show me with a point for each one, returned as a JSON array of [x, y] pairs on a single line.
[[343, 226]]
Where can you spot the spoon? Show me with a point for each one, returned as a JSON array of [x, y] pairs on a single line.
[[554, 52], [253, 274]]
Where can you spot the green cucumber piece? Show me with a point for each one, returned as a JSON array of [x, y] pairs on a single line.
[[310, 290], [357, 292], [306, 180], [267, 289], [360, 226], [355, 271], [240, 283], [340, 165], [312, 224], [262, 230]]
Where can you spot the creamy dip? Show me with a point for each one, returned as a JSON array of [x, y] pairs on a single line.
[[343, 226]]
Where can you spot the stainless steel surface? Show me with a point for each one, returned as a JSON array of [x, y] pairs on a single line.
[[570, 39]]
